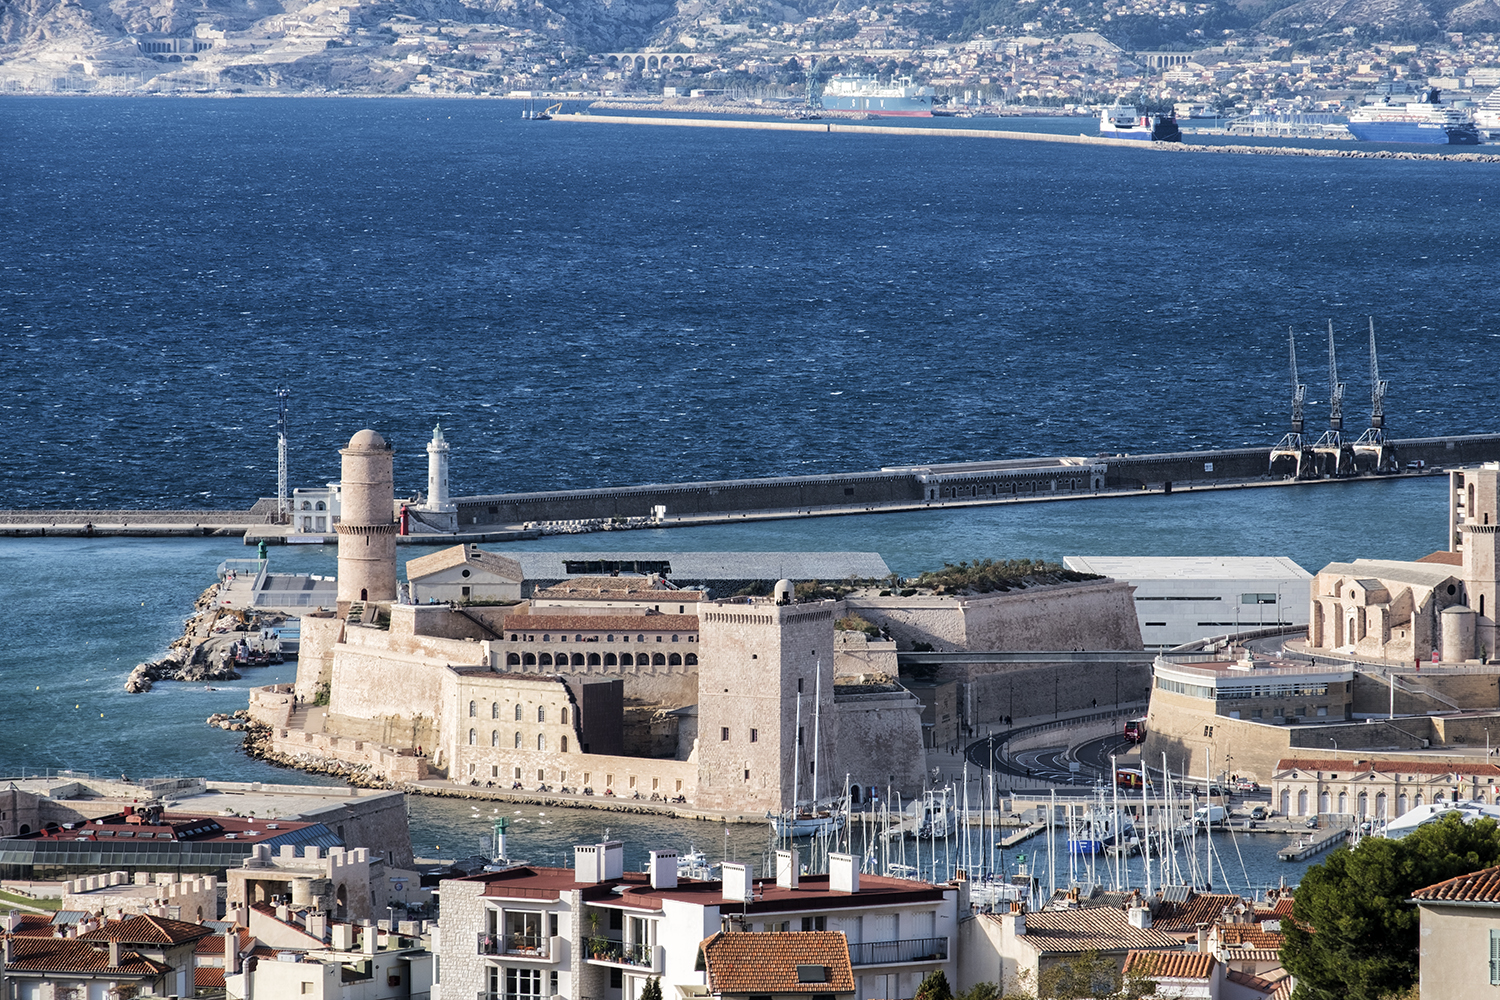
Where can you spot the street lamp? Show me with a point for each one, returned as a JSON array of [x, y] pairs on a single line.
[[1335, 747]]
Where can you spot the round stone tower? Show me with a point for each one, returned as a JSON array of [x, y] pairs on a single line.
[[367, 526]]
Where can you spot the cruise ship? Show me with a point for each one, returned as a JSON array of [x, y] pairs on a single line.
[[866, 93], [1423, 120], [1487, 114]]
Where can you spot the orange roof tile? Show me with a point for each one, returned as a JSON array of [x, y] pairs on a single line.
[[1283, 907], [1254, 982], [602, 623], [146, 929], [76, 955], [1443, 558], [1093, 928], [1249, 936], [214, 943], [208, 977], [1170, 964], [1476, 887], [771, 963]]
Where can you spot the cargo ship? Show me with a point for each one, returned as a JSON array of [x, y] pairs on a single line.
[[1121, 122], [867, 94], [1423, 120]]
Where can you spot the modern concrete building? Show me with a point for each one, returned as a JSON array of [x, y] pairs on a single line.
[[598, 932], [1179, 599]]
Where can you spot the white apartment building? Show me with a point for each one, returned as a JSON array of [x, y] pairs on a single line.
[[598, 932]]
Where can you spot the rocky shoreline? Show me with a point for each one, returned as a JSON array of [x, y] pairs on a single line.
[[200, 653]]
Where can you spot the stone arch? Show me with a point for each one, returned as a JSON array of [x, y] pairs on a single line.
[[610, 660], [1401, 805], [1286, 802], [1302, 802], [25, 829], [626, 660], [674, 660], [1325, 800], [640, 62], [594, 660], [364, 594], [529, 660], [1380, 803], [1417, 802], [1362, 804], [518, 711], [512, 659], [340, 901], [577, 659], [494, 737], [541, 713], [494, 710], [546, 659], [659, 660], [518, 739], [691, 659], [1343, 803], [473, 737]]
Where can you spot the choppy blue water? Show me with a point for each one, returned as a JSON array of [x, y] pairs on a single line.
[[586, 304], [606, 304]]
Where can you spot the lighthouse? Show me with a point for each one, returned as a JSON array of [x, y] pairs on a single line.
[[437, 474]]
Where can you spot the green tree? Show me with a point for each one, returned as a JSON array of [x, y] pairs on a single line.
[[652, 989], [934, 987], [1354, 935]]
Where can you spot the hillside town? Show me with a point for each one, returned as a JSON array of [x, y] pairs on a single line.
[[750, 58]]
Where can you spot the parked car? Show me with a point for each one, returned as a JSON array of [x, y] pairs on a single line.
[[1247, 785], [1259, 812]]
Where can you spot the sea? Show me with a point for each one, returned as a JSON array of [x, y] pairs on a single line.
[[597, 304]]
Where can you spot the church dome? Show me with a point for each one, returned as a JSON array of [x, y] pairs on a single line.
[[367, 439]]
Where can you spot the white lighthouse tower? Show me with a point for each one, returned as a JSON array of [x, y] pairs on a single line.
[[437, 474]]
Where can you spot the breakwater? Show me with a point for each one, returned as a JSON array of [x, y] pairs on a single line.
[[493, 517], [987, 133]]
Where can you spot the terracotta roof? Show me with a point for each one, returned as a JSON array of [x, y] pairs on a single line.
[[1249, 936], [1199, 908], [1283, 907], [76, 955], [214, 944], [1253, 955], [1170, 964], [771, 963], [145, 929], [533, 622], [34, 925], [1254, 982], [1475, 887], [209, 977], [1362, 766], [461, 555], [1443, 558], [1094, 928], [1283, 989]]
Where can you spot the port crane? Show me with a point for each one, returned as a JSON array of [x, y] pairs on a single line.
[[1335, 457], [1293, 447], [1373, 446]]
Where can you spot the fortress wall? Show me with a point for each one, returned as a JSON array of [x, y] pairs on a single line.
[[1186, 730], [315, 655], [438, 621], [1025, 690], [878, 743], [668, 778], [272, 706], [369, 684], [1187, 468], [1098, 615], [322, 748], [656, 684], [459, 652], [1372, 695], [937, 621], [374, 821], [854, 654]]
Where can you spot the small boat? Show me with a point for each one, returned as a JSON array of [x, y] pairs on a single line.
[[805, 823], [1121, 121]]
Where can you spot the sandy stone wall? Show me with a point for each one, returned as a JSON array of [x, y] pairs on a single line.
[[1025, 690], [315, 655], [878, 741], [855, 653], [937, 621]]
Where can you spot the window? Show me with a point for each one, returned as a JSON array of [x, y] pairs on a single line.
[[495, 706], [541, 714], [815, 923], [472, 712], [494, 737], [564, 719], [308, 987], [518, 739], [754, 735], [1494, 956], [518, 711], [563, 744], [473, 737], [523, 982], [541, 741], [724, 734]]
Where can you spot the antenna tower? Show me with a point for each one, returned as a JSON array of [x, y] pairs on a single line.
[[1335, 451], [283, 498], [1372, 444], [1293, 446]]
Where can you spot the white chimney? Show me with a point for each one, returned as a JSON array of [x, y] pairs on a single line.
[[788, 868], [1014, 922], [614, 859], [231, 952], [1139, 916], [343, 937], [843, 873], [663, 869], [370, 942], [739, 881], [588, 863]]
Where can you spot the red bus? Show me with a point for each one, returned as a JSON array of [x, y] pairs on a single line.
[[1135, 731]]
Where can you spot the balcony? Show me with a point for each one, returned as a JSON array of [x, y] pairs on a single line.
[[933, 949], [514, 946], [608, 951]]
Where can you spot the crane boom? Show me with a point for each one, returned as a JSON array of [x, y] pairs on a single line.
[[1336, 388], [1377, 385]]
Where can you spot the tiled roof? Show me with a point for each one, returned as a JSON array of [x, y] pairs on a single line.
[[1363, 766], [1254, 982], [1475, 887], [1253, 955], [76, 955], [34, 925], [1200, 908], [1094, 928], [1170, 964], [145, 929], [1443, 558], [460, 555], [769, 963], [1249, 936], [214, 943], [1283, 907], [208, 977], [602, 623]]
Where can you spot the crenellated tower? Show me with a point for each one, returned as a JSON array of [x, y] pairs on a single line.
[[367, 528]]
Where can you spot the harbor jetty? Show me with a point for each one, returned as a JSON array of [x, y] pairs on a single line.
[[514, 516], [841, 127], [1313, 845]]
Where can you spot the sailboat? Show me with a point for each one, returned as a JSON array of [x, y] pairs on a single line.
[[800, 821]]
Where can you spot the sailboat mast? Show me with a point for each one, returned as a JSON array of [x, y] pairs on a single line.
[[817, 715], [796, 768]]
